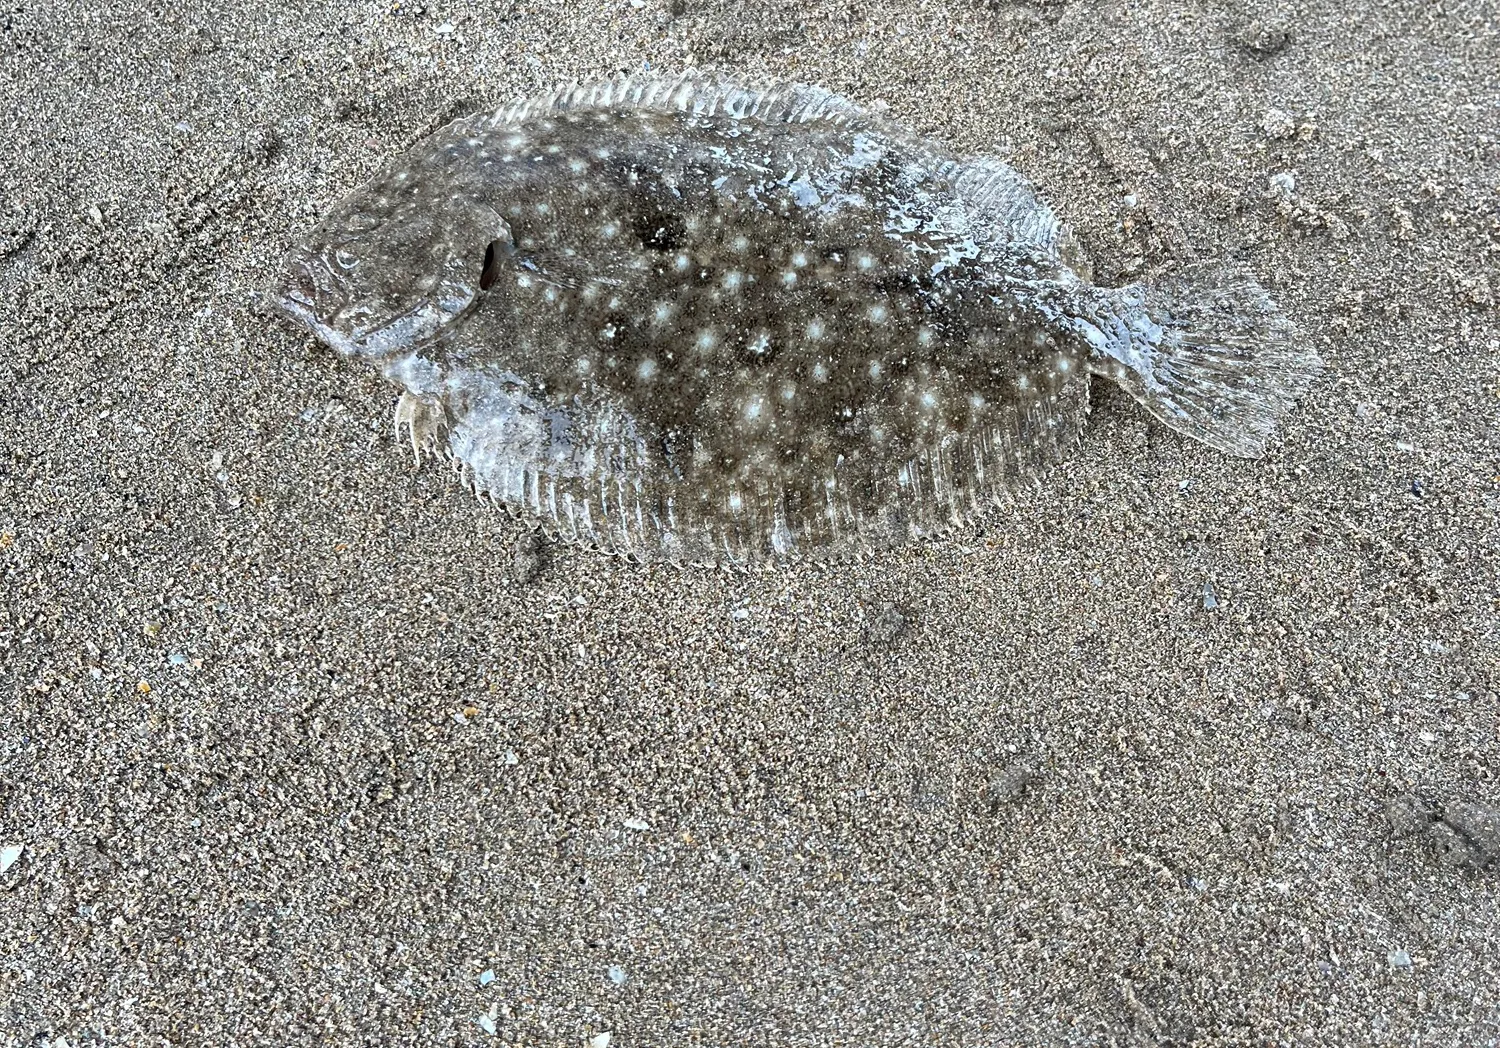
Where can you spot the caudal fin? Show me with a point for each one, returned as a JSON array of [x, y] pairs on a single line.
[[1211, 356]]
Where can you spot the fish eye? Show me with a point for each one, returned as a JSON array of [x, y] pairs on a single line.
[[490, 270]]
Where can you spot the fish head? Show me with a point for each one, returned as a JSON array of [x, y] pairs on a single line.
[[393, 269]]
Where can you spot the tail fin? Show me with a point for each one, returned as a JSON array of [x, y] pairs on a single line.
[[1209, 353]]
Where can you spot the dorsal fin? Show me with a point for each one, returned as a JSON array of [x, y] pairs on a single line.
[[1000, 196], [694, 92], [1003, 197]]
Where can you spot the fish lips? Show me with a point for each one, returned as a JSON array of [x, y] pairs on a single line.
[[295, 298]]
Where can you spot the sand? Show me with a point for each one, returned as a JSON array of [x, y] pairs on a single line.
[[296, 748]]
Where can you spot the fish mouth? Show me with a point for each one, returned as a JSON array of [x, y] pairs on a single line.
[[296, 299], [294, 306]]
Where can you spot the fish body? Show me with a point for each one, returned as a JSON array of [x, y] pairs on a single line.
[[701, 321]]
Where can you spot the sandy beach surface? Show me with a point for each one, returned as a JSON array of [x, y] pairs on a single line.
[[302, 745]]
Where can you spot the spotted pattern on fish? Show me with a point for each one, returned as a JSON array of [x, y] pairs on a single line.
[[701, 321]]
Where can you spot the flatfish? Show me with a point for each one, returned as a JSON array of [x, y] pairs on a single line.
[[705, 321]]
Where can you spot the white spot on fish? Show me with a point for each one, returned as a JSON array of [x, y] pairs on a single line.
[[804, 193]]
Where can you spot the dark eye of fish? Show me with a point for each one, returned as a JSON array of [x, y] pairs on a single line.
[[738, 323], [490, 270]]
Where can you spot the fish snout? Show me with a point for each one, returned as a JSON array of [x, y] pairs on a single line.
[[296, 296]]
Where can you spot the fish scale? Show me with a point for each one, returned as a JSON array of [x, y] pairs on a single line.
[[701, 321]]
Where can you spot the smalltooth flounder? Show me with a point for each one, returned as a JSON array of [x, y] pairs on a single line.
[[696, 320]]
